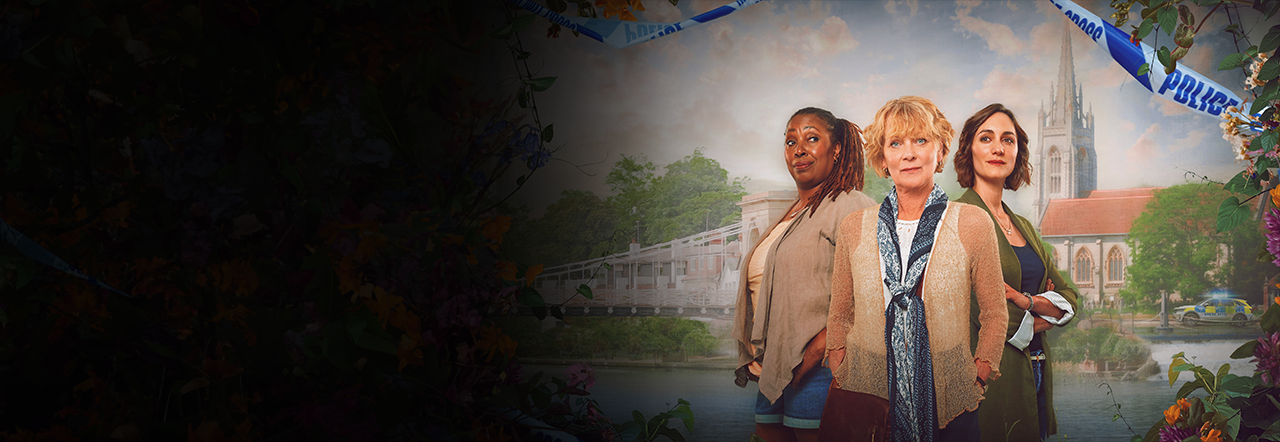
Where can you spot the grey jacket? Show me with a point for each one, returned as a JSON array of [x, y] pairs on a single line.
[[795, 291]]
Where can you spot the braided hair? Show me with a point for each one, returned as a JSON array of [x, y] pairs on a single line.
[[847, 172]]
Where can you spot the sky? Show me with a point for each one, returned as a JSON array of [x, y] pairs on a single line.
[[729, 86]]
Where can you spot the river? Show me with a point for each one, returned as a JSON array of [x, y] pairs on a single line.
[[723, 412]]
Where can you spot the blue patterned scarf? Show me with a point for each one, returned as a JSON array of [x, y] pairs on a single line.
[[906, 338]]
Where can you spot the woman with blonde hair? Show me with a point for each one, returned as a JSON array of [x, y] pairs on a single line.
[[780, 320], [993, 156], [900, 346]]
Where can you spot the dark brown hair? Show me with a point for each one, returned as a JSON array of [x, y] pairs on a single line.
[[1021, 174], [846, 173]]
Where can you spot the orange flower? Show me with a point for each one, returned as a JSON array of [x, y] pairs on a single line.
[[492, 341], [370, 243], [236, 276], [531, 274], [383, 304], [496, 228], [506, 270], [408, 352], [1208, 434], [1172, 415]]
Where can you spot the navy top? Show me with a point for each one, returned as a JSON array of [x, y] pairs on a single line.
[[1032, 268], [1032, 274]]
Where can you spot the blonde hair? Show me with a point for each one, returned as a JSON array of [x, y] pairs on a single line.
[[907, 115]]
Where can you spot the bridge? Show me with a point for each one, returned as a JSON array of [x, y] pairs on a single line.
[[692, 276]]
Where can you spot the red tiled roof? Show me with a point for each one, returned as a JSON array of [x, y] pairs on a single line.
[[1111, 193], [1104, 212]]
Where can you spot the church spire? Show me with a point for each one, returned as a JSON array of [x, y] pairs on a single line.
[[1066, 107]]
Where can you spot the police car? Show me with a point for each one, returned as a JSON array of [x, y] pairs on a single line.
[[1236, 311]]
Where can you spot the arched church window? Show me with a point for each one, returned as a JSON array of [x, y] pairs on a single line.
[[1115, 264], [1084, 266], [1055, 170]]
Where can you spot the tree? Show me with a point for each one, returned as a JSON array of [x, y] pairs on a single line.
[[875, 187], [694, 195], [1177, 249], [578, 226], [1244, 273]]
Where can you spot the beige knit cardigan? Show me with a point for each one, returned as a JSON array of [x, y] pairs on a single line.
[[964, 260], [794, 292]]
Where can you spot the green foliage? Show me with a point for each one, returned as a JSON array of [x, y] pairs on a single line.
[[613, 337], [693, 195], [578, 226], [1100, 345], [640, 429], [1237, 407], [1177, 248], [874, 186]]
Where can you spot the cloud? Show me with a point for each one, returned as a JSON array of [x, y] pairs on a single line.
[[1107, 77], [832, 38], [660, 11], [913, 7], [999, 37], [1194, 139], [1022, 91], [1145, 149], [1166, 106], [812, 11], [1127, 126]]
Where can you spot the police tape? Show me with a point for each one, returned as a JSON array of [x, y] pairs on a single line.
[[1184, 86], [38, 253], [620, 33]]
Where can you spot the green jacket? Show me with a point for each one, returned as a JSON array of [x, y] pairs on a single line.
[[1009, 411]]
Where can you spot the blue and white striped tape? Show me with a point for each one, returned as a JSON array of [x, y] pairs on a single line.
[[620, 33], [38, 253], [1184, 86]]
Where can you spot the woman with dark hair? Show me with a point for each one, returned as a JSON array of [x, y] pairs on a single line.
[[993, 156], [902, 346], [780, 321]]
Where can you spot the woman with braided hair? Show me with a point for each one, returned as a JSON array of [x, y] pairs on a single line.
[[785, 285]]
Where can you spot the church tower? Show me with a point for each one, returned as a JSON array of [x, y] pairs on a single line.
[[1065, 163]]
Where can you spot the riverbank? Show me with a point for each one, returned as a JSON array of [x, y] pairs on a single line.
[[727, 362]]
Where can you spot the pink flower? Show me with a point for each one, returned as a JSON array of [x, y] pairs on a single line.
[[1171, 433], [596, 416], [580, 373], [1272, 220], [1267, 356]]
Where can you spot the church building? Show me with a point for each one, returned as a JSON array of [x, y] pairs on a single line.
[[1086, 227]]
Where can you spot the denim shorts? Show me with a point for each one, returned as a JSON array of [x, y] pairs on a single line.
[[800, 406]]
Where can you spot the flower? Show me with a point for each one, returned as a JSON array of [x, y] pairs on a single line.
[[1208, 434], [1254, 69], [1267, 357], [581, 373], [1173, 414], [1171, 433], [1272, 221]]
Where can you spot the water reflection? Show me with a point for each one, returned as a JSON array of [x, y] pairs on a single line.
[[723, 412]]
